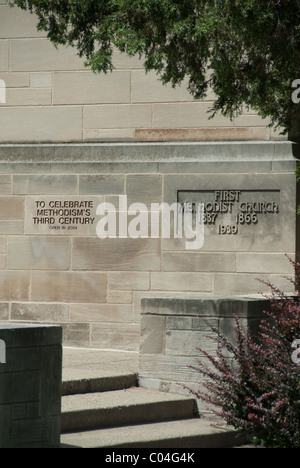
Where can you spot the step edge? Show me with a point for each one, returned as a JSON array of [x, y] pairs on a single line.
[[136, 392], [127, 415], [98, 384], [229, 438]]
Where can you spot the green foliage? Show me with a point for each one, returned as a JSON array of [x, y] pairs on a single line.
[[247, 51]]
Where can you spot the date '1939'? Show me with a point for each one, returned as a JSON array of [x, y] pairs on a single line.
[[228, 229]]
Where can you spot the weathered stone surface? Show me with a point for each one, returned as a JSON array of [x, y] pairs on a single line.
[[50, 286], [147, 88], [15, 80], [16, 24], [2, 245], [40, 80], [5, 185], [186, 343], [137, 281], [199, 261], [143, 188], [11, 208], [38, 253], [28, 97], [101, 313], [263, 263], [11, 227], [239, 283], [39, 312], [116, 254], [124, 336], [179, 152], [44, 123], [41, 55], [54, 268], [170, 281], [4, 311], [77, 334], [102, 184], [120, 297], [117, 116], [4, 55], [153, 331], [44, 184], [108, 134], [187, 115], [176, 333], [14, 285], [89, 88], [214, 306]]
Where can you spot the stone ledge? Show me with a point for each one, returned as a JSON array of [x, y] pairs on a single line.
[[151, 152], [244, 307]]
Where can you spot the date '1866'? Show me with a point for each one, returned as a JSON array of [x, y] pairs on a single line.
[[229, 211]]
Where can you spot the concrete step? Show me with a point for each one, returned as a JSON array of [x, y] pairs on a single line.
[[98, 384], [188, 433], [88, 370], [122, 407], [103, 407]]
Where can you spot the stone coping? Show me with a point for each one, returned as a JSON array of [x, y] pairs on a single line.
[[16, 325], [16, 334], [214, 306], [152, 152]]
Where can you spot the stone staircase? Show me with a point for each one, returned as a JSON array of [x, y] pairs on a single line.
[[113, 412]]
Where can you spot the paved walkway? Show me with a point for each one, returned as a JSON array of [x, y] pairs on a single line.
[[83, 363]]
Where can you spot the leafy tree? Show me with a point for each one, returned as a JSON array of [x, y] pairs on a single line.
[[246, 51]]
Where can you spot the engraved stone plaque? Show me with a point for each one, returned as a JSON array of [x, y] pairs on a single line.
[[235, 212], [61, 215]]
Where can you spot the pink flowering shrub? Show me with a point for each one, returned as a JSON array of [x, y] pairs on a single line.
[[258, 389]]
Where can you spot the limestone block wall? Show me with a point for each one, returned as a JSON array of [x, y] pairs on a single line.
[[63, 273], [176, 333], [52, 97]]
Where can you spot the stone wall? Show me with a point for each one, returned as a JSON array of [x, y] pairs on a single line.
[[63, 273], [30, 386], [175, 334], [52, 97]]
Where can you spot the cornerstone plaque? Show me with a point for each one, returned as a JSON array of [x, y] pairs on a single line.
[[61, 215], [235, 212]]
